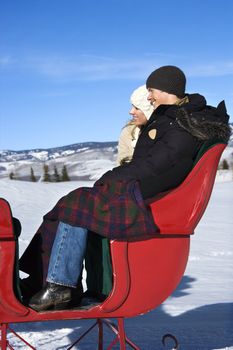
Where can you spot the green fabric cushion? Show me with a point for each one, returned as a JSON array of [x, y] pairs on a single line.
[[206, 145], [98, 266]]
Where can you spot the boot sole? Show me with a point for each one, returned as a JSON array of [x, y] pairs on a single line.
[[58, 306]]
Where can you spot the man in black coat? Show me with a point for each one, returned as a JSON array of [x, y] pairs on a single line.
[[169, 142], [114, 207]]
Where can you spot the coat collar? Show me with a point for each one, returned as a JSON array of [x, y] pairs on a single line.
[[196, 102]]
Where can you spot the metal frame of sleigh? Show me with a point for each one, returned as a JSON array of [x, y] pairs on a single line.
[[150, 268]]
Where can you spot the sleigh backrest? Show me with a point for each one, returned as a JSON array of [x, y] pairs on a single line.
[[180, 210]]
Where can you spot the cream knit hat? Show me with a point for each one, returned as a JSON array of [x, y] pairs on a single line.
[[139, 100]]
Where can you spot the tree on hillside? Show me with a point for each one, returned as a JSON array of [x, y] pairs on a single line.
[[46, 176], [64, 176], [32, 176], [225, 165], [56, 176], [12, 175]]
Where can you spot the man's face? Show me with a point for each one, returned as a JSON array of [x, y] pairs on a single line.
[[157, 97], [138, 116]]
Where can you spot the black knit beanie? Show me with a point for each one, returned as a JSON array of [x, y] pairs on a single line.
[[170, 79]]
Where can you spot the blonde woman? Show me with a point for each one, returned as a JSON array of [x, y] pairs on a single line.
[[141, 111]]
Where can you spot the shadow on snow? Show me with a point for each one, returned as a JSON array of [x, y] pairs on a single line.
[[205, 328]]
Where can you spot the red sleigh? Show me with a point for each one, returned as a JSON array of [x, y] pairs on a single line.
[[151, 268]]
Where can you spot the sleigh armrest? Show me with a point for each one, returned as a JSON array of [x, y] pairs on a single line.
[[8, 264], [6, 223]]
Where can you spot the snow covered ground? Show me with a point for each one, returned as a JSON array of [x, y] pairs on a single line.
[[200, 311]]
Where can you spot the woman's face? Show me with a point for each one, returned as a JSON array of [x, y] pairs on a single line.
[[138, 116]]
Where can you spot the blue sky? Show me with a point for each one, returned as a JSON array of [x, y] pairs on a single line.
[[68, 67]]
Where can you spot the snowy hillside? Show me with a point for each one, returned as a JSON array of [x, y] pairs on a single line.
[[83, 160], [231, 138], [200, 311]]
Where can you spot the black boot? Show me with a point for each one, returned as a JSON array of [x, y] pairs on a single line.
[[28, 288], [55, 297]]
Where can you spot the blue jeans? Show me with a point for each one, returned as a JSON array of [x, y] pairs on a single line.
[[66, 260]]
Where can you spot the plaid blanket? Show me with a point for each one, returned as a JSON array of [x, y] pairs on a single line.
[[116, 211]]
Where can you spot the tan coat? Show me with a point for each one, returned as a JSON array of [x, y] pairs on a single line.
[[127, 142]]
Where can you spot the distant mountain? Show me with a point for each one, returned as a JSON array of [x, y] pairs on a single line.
[[84, 161], [45, 154]]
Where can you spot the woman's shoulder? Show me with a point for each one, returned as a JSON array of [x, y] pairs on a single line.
[[128, 131], [128, 127]]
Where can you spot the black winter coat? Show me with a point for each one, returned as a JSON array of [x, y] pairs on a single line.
[[168, 145]]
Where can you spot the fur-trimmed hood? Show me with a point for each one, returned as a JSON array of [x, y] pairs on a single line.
[[203, 121]]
